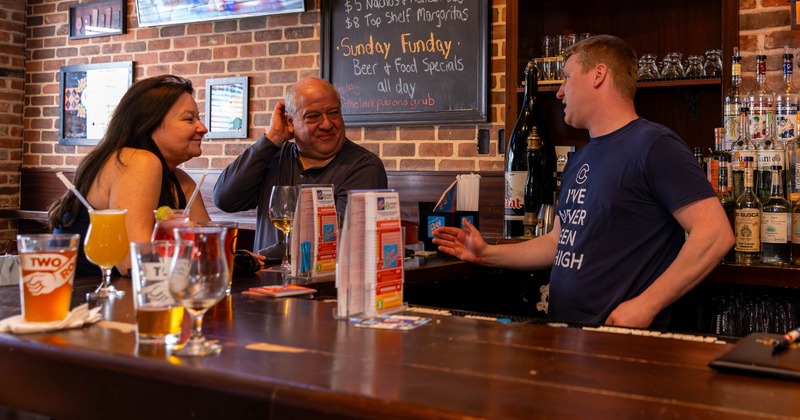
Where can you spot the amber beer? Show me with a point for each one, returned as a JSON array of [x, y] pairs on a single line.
[[232, 232], [47, 271], [159, 318], [159, 322]]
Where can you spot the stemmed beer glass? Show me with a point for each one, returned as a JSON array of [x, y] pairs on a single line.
[[281, 214], [198, 279], [106, 245]]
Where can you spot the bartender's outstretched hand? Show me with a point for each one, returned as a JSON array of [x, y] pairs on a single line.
[[279, 129], [466, 244]]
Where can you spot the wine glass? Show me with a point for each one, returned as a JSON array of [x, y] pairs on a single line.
[[281, 214], [106, 245], [198, 279]]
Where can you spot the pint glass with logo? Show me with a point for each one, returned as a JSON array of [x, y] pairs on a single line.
[[47, 271]]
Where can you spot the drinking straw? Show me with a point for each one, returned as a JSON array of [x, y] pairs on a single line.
[[60, 175], [194, 194]]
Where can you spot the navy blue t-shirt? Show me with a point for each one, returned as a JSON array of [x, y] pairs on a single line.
[[618, 234]]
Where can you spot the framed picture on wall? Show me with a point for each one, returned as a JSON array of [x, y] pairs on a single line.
[[226, 108], [100, 18], [160, 12], [89, 94]]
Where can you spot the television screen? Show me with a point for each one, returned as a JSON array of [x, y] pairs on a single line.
[[170, 12]]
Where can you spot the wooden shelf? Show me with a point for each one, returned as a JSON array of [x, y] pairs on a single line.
[[709, 81]]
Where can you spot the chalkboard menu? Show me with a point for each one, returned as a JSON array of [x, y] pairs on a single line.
[[407, 61]]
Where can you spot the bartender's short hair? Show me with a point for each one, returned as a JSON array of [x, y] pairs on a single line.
[[615, 53]]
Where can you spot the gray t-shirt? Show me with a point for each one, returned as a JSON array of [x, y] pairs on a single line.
[[247, 182]]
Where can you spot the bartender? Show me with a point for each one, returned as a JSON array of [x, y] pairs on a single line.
[[638, 224]]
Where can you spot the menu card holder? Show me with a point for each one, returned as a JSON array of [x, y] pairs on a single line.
[[369, 269], [314, 233]]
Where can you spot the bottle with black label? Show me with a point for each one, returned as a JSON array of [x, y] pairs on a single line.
[[516, 163], [726, 200], [534, 185]]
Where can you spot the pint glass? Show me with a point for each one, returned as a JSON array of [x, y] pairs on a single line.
[[158, 316], [47, 271]]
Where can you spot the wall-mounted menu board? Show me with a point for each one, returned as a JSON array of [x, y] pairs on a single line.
[[407, 61]]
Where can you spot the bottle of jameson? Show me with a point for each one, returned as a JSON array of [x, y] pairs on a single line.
[[516, 163]]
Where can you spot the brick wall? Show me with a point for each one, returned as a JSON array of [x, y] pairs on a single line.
[[287, 44], [765, 25], [12, 69]]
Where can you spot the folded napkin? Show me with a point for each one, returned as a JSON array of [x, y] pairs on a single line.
[[77, 317]]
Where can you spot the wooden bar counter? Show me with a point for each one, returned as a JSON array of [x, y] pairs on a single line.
[[289, 358]]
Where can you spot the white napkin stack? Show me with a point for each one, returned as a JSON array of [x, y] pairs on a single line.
[[77, 317], [468, 192]]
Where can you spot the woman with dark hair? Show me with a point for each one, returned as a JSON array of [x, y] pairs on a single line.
[[155, 128]]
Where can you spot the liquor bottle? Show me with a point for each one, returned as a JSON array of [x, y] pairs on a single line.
[[792, 172], [747, 225], [727, 201], [761, 102], [534, 185], [770, 153], [742, 148], [516, 163], [776, 223], [719, 160], [786, 103], [734, 100], [698, 154], [796, 233]]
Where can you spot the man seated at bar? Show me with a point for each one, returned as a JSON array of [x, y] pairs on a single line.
[[155, 128], [320, 154], [628, 199]]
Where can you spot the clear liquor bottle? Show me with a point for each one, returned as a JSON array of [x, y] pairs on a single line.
[[776, 223], [727, 202], [786, 103], [742, 149], [761, 102], [770, 153], [516, 162], [734, 100], [747, 225]]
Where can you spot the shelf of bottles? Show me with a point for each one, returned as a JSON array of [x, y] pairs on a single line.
[[553, 86]]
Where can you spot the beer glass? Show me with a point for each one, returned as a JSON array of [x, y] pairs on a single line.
[[198, 279], [47, 271], [231, 233], [281, 214], [106, 245], [158, 316]]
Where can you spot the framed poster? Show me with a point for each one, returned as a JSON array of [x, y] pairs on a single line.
[[89, 93], [226, 108], [101, 18], [160, 12]]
